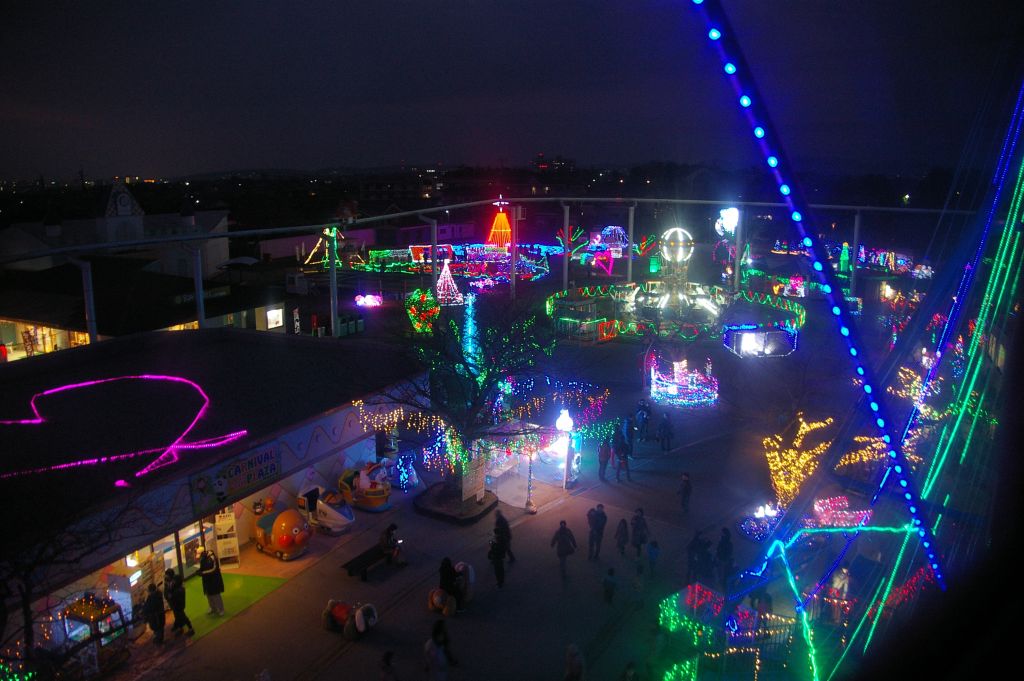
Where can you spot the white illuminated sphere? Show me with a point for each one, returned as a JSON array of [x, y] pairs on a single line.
[[676, 245], [727, 221], [564, 422]]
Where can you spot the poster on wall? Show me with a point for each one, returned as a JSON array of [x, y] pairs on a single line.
[[235, 478]]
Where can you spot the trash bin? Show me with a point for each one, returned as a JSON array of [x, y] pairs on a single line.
[[360, 325], [343, 326], [351, 325]]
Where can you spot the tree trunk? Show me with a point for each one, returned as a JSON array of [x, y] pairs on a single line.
[[25, 589]]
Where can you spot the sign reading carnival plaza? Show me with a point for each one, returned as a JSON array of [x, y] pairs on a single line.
[[234, 478]]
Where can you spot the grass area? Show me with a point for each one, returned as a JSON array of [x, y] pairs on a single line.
[[240, 591]]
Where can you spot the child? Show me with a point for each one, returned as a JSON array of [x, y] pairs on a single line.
[[622, 536], [609, 586], [653, 551]]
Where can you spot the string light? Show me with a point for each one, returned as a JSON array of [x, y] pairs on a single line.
[[789, 466]]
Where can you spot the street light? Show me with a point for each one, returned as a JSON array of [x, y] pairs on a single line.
[[564, 424]]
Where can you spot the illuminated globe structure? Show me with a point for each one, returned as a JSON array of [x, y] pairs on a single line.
[[676, 245], [726, 223]]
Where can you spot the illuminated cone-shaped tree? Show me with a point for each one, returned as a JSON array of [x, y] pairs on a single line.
[[447, 292], [501, 231]]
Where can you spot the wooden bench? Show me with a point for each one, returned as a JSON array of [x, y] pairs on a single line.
[[364, 561]]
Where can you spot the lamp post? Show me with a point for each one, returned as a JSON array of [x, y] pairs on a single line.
[[564, 425], [531, 507]]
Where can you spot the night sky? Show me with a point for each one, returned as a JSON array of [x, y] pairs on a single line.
[[163, 89]]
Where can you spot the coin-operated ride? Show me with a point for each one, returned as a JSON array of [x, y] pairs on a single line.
[[95, 635], [326, 510], [366, 488], [284, 534]]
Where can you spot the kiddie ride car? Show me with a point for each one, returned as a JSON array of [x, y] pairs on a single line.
[[326, 510]]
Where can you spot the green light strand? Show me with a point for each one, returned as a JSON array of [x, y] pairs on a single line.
[[856, 631], [973, 359], [885, 596]]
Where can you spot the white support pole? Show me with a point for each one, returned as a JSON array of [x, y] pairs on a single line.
[[89, 297], [433, 252], [568, 246], [197, 283], [738, 264], [853, 255], [629, 246], [516, 217], [332, 247]]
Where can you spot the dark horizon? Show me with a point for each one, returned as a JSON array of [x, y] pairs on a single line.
[[175, 91]]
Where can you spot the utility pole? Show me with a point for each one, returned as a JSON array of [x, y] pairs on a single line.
[[433, 251]]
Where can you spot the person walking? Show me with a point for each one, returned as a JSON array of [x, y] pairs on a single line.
[[684, 491], [665, 433], [693, 557], [724, 556], [503, 534], [596, 520], [153, 613], [174, 594], [565, 545], [437, 653], [213, 582], [604, 455], [639, 530], [496, 554], [622, 536], [609, 583], [574, 667], [622, 454], [449, 581], [641, 424]]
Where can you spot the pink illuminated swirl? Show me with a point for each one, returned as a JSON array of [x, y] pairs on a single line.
[[167, 455]]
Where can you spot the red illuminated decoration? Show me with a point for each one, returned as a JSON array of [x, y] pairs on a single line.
[[501, 230]]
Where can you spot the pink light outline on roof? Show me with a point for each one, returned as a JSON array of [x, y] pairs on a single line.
[[169, 454]]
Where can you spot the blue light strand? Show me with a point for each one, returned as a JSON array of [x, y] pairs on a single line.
[[794, 200]]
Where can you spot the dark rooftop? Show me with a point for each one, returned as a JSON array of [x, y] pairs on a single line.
[[258, 381]]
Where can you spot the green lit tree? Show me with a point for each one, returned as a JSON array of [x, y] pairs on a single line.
[[470, 355]]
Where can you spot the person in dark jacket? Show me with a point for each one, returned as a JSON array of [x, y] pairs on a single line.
[[174, 594], [596, 520], [213, 582], [449, 581], [622, 454], [565, 545], [665, 433], [684, 492], [153, 613], [604, 455], [503, 534], [640, 531], [622, 536], [496, 554], [724, 556]]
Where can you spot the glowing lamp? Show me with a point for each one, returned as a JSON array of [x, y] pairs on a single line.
[[676, 245], [369, 300], [730, 68], [772, 161], [744, 101], [727, 220], [564, 422], [759, 132], [714, 34]]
